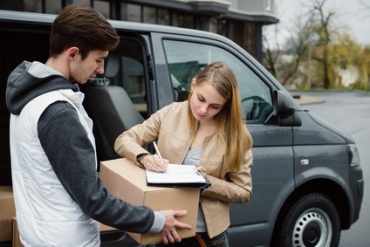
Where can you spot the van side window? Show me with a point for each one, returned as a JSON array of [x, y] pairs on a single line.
[[186, 59], [125, 68]]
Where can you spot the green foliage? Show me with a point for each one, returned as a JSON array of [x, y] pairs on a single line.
[[347, 55]]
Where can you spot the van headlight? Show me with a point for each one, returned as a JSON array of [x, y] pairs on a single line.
[[353, 155]]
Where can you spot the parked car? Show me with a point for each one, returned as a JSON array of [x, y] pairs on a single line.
[[307, 178]]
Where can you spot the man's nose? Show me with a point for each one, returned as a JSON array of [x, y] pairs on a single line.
[[100, 69]]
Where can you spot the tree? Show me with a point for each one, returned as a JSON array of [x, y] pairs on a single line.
[[365, 4], [270, 55], [347, 56], [325, 36], [317, 41], [283, 63], [298, 46]]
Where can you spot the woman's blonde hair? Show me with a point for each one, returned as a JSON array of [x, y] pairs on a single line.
[[231, 130]]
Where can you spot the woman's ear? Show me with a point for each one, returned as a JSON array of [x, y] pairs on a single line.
[[192, 84]]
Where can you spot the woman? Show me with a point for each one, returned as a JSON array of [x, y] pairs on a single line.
[[208, 131]]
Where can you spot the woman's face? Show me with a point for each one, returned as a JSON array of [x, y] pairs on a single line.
[[205, 102]]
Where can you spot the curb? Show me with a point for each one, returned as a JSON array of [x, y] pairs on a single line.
[[306, 99]]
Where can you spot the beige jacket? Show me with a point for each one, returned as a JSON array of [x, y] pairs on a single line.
[[169, 125]]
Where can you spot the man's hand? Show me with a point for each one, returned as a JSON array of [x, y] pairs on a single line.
[[169, 233]]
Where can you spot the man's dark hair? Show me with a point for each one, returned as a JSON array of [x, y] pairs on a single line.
[[81, 26]]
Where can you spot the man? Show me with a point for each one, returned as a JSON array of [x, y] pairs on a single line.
[[58, 194]]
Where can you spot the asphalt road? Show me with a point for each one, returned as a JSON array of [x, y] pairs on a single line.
[[350, 111]]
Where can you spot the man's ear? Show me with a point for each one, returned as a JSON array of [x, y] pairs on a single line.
[[72, 52]]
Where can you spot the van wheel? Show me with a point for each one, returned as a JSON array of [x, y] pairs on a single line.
[[310, 221]]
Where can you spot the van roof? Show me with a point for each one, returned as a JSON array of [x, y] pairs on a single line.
[[47, 19]]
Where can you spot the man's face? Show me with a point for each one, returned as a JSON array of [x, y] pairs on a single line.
[[84, 70]]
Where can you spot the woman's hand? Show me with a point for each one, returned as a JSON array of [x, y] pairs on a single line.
[[154, 163], [201, 168]]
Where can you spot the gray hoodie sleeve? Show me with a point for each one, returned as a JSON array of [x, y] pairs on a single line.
[[72, 157]]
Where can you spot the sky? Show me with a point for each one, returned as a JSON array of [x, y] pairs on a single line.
[[350, 15]]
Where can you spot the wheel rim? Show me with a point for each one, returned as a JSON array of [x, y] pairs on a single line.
[[312, 229]]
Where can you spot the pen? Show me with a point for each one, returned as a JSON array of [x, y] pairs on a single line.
[[158, 153]]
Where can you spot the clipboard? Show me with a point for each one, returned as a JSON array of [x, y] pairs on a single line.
[[178, 176]]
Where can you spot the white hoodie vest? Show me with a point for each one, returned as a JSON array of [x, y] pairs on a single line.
[[46, 214]]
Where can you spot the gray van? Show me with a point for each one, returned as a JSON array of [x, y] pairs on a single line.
[[307, 178]]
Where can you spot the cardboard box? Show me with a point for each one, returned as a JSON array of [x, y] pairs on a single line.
[[7, 212], [16, 242], [127, 181]]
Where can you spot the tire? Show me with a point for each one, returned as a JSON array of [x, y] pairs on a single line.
[[310, 221]]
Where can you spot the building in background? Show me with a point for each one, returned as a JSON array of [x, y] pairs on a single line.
[[238, 20]]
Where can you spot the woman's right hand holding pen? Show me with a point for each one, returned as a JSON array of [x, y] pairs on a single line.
[[154, 163]]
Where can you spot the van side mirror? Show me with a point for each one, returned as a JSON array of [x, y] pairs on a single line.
[[284, 111]]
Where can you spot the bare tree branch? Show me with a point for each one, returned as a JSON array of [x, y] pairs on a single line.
[[367, 7], [366, 4]]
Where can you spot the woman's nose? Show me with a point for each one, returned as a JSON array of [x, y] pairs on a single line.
[[204, 108]]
